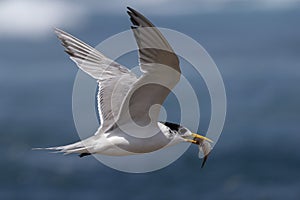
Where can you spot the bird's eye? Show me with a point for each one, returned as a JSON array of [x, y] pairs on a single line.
[[182, 131]]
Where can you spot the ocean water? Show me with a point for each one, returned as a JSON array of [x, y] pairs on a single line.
[[257, 156]]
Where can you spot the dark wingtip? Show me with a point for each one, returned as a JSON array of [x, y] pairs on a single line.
[[134, 15], [130, 9], [84, 154], [132, 12]]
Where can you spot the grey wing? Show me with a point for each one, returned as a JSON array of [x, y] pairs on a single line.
[[161, 72], [114, 80], [153, 46]]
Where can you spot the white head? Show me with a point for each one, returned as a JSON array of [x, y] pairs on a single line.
[[177, 134]]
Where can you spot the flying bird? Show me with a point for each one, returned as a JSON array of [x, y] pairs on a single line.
[[128, 105]]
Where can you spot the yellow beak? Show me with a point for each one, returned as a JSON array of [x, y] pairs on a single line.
[[199, 137]]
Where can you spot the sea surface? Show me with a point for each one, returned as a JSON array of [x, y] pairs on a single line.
[[256, 157]]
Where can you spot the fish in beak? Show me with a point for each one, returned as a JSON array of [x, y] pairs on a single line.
[[204, 146]]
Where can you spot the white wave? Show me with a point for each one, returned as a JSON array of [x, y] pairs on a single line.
[[35, 18]]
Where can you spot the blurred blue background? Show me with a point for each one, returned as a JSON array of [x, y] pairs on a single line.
[[256, 46]]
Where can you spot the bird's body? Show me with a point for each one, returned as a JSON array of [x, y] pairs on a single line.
[[118, 143], [128, 105]]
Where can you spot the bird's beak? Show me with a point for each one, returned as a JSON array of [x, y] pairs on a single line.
[[197, 138]]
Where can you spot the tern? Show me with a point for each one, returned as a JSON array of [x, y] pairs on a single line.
[[128, 105]]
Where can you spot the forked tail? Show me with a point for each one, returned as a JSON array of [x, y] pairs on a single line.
[[80, 147]]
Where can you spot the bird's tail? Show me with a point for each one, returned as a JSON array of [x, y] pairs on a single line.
[[83, 148]]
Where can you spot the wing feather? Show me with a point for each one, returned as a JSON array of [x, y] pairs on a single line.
[[161, 72], [114, 80]]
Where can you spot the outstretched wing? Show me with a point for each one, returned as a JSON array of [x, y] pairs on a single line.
[[161, 72], [114, 80]]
